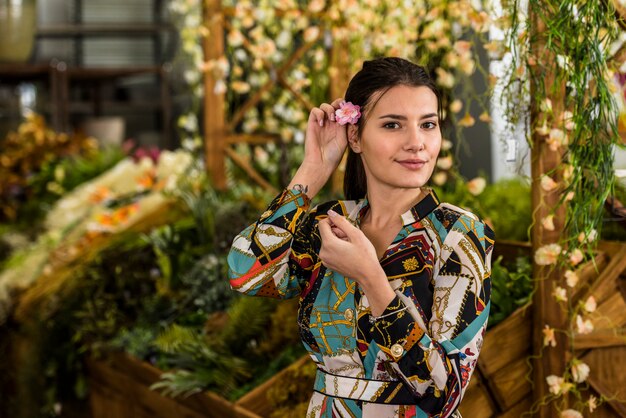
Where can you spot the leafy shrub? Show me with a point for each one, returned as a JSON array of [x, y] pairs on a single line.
[[511, 288]]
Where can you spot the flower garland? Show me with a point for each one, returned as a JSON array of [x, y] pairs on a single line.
[[582, 136]]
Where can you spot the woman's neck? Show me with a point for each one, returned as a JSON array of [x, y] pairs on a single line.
[[387, 206]]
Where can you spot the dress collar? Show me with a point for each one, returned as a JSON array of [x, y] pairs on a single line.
[[414, 214]]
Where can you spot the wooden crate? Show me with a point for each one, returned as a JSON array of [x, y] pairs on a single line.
[[120, 388]]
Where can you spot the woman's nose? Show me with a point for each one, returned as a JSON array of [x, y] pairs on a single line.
[[415, 141]]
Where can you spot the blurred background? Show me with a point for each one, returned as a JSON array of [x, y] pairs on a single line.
[[138, 137]]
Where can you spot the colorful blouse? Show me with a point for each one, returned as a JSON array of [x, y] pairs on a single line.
[[417, 358]]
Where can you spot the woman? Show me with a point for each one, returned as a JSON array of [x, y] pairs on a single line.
[[394, 285]]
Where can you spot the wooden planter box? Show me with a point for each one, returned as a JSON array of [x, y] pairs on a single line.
[[500, 388], [120, 388]]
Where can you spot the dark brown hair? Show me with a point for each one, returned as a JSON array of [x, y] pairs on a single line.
[[378, 76]]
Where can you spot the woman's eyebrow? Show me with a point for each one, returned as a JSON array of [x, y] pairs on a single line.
[[402, 117]]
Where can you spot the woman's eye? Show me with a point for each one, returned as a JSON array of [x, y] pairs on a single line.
[[391, 125], [429, 125]]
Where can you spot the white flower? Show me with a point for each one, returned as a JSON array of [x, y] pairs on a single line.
[[444, 163], [440, 178], [546, 106], [568, 120], [554, 383], [548, 223], [543, 130], [548, 254], [580, 371], [560, 294], [590, 304], [571, 278], [476, 186], [446, 145], [571, 413], [583, 326], [548, 184], [444, 78], [576, 257], [556, 139]]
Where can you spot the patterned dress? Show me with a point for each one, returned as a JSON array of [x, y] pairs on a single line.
[[417, 358]]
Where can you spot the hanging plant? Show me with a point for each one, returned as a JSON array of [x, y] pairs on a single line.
[[560, 59]]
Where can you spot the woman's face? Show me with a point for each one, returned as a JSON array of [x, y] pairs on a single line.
[[401, 139]]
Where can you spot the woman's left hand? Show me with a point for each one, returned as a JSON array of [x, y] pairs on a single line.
[[346, 249]]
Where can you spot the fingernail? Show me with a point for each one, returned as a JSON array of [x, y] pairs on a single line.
[[332, 117], [321, 122], [332, 213]]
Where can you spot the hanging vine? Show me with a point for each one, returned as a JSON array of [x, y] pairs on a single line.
[[582, 131]]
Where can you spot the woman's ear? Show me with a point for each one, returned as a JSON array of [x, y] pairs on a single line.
[[353, 138]]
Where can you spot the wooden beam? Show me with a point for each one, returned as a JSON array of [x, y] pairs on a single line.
[[214, 104], [339, 80], [546, 311], [245, 166], [253, 139], [601, 338]]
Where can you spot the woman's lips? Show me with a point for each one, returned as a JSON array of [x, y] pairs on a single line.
[[412, 164]]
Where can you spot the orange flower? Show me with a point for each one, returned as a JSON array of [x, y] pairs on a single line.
[[548, 336], [100, 194]]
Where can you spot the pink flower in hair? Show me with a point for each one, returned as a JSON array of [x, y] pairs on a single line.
[[347, 113]]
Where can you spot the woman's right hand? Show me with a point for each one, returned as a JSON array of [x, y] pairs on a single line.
[[325, 140]]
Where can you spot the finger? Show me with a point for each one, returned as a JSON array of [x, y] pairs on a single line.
[[337, 102], [341, 223], [325, 230], [318, 115], [339, 233], [329, 110]]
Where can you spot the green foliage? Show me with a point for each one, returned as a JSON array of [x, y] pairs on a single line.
[[290, 395], [506, 204], [189, 350], [510, 288], [510, 194], [613, 228], [248, 319]]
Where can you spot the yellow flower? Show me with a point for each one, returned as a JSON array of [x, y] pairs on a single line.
[[456, 106], [467, 121], [485, 117]]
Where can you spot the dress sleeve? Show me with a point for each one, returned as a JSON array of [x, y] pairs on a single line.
[[437, 360], [273, 257]]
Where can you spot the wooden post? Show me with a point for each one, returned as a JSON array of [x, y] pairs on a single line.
[[214, 104], [546, 311], [339, 79]]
